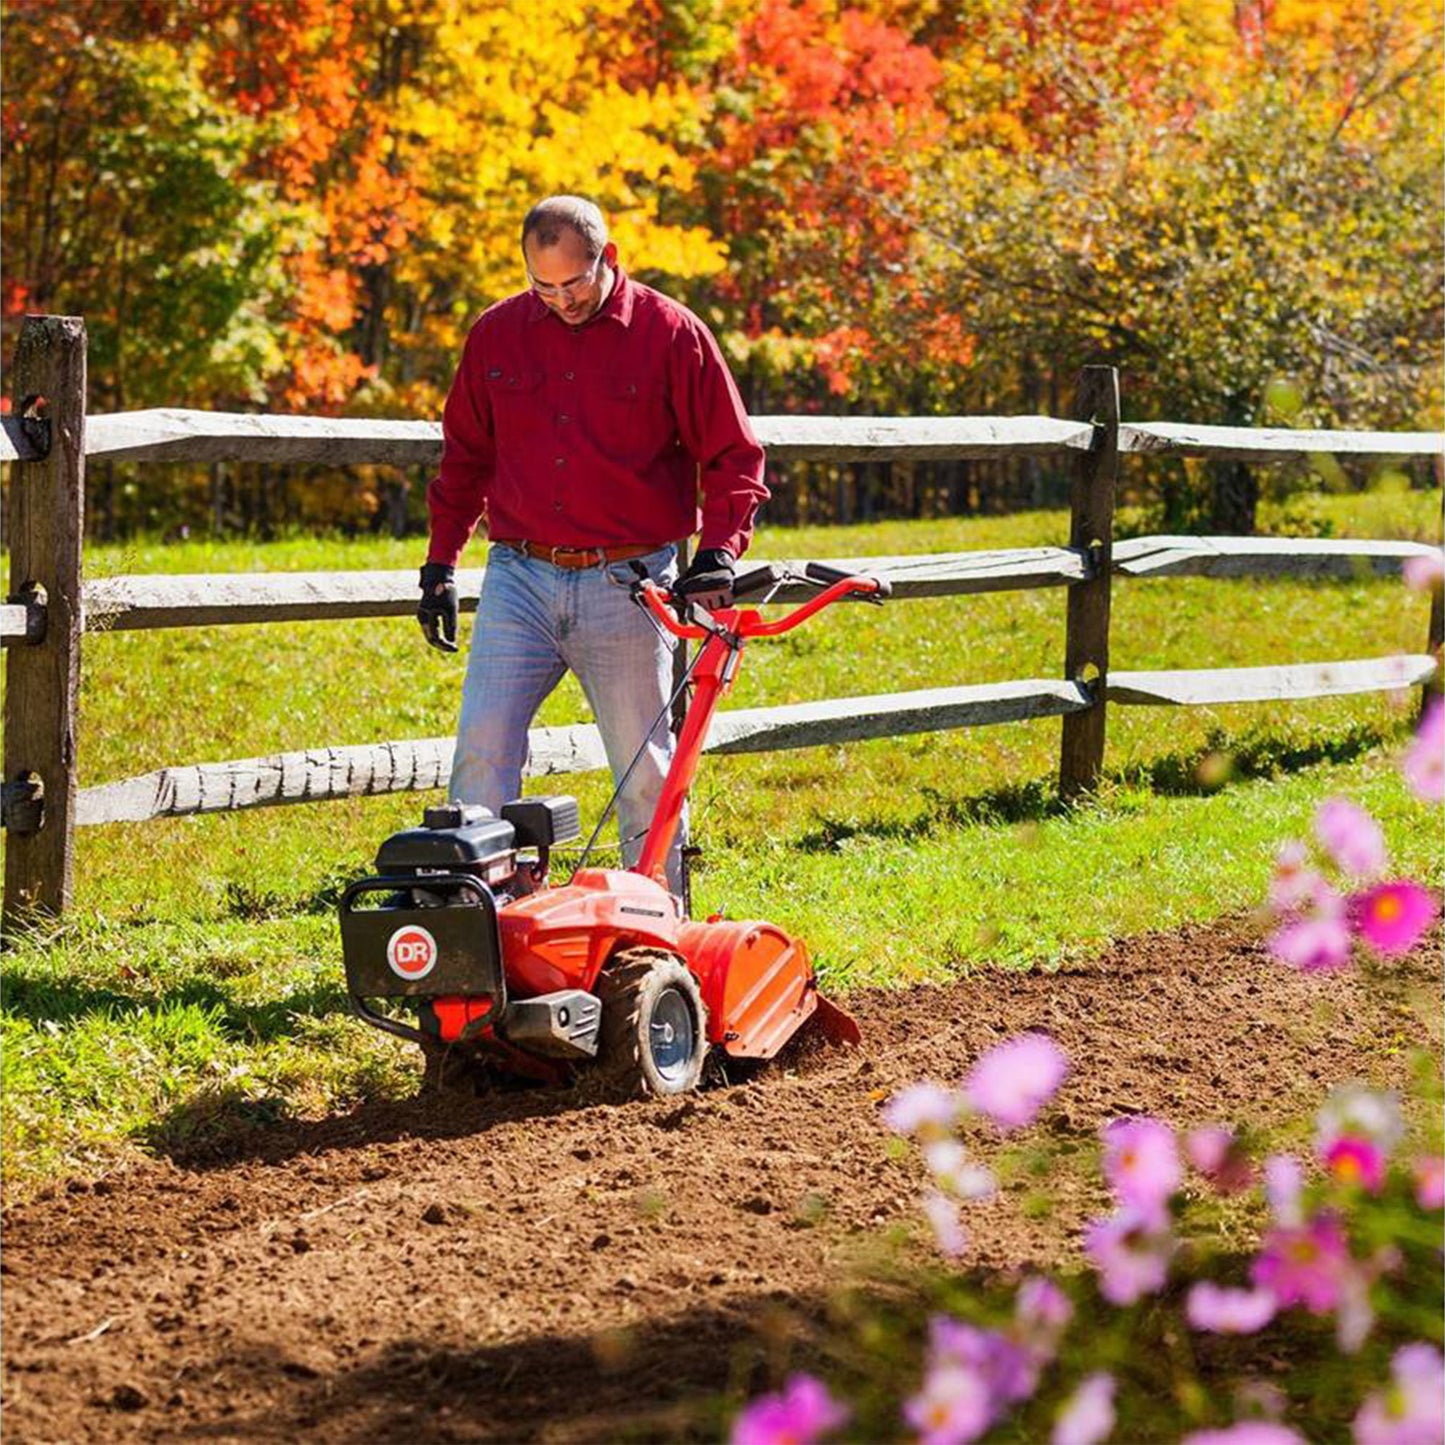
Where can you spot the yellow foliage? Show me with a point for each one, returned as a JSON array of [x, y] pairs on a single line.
[[512, 105]]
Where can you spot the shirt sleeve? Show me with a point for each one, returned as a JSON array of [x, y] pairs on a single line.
[[457, 495], [714, 428]]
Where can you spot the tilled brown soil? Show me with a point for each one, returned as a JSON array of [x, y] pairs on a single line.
[[529, 1266]]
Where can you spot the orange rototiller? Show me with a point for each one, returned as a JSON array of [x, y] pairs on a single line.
[[460, 943]]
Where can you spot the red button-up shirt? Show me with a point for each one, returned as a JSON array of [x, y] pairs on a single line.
[[600, 435]]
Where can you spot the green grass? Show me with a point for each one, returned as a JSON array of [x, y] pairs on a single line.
[[197, 985]]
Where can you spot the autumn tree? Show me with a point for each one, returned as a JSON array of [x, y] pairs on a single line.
[[1215, 228], [127, 200], [817, 112]]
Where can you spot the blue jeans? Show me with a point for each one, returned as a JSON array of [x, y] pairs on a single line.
[[534, 622]]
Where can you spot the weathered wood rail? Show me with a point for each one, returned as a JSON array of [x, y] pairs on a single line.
[[50, 607]]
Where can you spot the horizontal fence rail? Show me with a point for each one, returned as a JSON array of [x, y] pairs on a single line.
[[1286, 682], [129, 603], [396, 767], [192, 601], [51, 607], [205, 600], [1271, 444], [204, 436], [174, 435], [1305, 558]]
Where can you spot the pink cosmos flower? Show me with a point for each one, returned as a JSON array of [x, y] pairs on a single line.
[[1224, 1311], [1008, 1368], [1355, 1160], [1312, 945], [1350, 836], [1131, 1252], [799, 1414], [1012, 1082], [1042, 1308], [1293, 882], [1411, 1410], [1141, 1162], [1247, 1432], [1429, 1174], [1391, 917], [1219, 1156], [923, 1107], [942, 1214], [1305, 1264], [1425, 573], [1042, 1312], [1358, 1110], [1087, 1416], [1424, 764], [1283, 1186], [954, 1172], [952, 1408]]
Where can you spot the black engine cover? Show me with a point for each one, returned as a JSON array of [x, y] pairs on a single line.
[[453, 838]]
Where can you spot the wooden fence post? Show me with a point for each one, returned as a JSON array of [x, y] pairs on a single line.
[[47, 512], [1091, 530]]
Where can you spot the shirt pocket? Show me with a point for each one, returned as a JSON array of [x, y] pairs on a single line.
[[633, 390], [514, 394], [630, 418]]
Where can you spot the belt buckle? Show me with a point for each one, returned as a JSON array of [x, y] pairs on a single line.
[[571, 552]]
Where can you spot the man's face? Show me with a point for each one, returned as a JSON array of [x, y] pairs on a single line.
[[568, 281]]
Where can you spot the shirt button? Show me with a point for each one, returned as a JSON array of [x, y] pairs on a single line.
[[559, 461], [556, 506], [564, 419], [568, 376]]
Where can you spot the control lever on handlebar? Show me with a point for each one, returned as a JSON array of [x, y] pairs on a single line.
[[759, 579], [690, 621], [684, 620], [825, 576]]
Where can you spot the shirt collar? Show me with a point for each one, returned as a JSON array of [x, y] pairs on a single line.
[[619, 304]]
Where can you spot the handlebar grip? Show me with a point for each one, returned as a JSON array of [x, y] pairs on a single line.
[[758, 579], [817, 572]]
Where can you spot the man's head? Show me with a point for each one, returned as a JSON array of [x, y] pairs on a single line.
[[569, 258]]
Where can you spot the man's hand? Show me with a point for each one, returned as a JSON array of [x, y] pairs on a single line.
[[708, 580], [437, 610]]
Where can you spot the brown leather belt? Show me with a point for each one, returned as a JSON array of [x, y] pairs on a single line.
[[576, 557]]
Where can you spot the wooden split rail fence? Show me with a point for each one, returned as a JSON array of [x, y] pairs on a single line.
[[48, 437]]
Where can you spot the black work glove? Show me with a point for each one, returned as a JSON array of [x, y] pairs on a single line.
[[708, 580], [437, 610]]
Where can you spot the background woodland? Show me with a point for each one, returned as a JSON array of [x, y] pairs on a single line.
[[898, 207]]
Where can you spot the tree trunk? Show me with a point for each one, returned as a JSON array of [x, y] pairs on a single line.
[[1233, 486], [1233, 498]]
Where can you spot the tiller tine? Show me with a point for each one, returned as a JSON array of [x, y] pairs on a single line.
[[836, 1025]]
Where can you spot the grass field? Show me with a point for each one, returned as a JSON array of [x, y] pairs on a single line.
[[197, 985]]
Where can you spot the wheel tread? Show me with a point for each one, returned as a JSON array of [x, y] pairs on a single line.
[[620, 987]]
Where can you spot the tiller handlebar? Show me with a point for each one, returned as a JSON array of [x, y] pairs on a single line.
[[723, 633]]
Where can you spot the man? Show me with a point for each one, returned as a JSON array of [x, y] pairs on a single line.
[[588, 416]]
